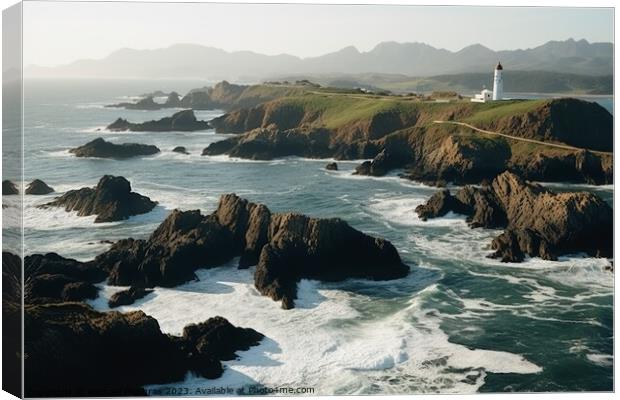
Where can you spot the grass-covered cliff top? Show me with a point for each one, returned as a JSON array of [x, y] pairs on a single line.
[[353, 115]]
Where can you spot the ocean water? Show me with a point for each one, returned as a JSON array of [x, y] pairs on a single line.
[[459, 323]]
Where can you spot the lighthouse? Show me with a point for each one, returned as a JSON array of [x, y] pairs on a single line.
[[498, 83]]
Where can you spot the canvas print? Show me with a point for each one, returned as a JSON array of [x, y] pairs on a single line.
[[206, 199]]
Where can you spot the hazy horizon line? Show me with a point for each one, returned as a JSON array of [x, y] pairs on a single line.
[[310, 57]]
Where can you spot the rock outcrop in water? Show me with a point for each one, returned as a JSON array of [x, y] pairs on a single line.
[[285, 248], [180, 149], [184, 120], [538, 222], [63, 338], [128, 296], [9, 188], [332, 166], [148, 103], [51, 278], [38, 187], [111, 200], [99, 148]]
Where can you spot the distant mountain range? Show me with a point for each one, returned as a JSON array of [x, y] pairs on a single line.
[[412, 59]]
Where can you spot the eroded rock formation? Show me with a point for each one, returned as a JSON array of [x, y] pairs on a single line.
[[111, 200], [285, 248], [184, 120], [99, 148], [538, 222]]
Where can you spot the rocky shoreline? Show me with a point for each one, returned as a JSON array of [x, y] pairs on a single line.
[[428, 152], [63, 336], [537, 221]]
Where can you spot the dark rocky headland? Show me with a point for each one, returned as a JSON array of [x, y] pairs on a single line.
[[72, 350], [111, 200], [406, 134], [184, 120], [537, 221], [99, 148]]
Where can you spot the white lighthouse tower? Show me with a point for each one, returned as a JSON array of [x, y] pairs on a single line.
[[498, 83]]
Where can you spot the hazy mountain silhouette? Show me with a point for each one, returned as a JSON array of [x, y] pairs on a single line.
[[413, 59]]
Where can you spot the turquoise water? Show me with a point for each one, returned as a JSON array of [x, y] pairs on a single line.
[[459, 322]]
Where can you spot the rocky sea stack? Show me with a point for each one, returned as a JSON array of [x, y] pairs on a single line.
[[99, 148], [285, 248], [9, 188], [111, 200], [184, 120], [537, 221], [38, 187], [180, 149]]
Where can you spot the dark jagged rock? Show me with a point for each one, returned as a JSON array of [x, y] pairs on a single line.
[[127, 297], [268, 143], [332, 166], [111, 200], [364, 168], [219, 339], [538, 222], [12, 329], [514, 244], [51, 278], [184, 120], [9, 188], [38, 187], [180, 149], [99, 148], [286, 247], [63, 340], [439, 205], [324, 249], [146, 103]]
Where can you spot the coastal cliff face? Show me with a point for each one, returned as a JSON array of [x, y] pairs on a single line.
[[537, 221], [575, 122], [400, 134]]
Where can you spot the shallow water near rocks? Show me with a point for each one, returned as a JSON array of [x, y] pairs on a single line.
[[458, 323]]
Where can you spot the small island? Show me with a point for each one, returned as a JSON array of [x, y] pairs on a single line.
[[99, 148], [181, 121]]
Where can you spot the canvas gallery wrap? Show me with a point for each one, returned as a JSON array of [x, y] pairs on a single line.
[[220, 199]]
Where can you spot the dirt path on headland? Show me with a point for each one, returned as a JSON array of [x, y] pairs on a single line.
[[521, 139]]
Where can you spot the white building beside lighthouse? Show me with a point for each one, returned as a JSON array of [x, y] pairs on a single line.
[[498, 83], [498, 88]]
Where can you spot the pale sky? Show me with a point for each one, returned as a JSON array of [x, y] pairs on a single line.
[[60, 32]]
